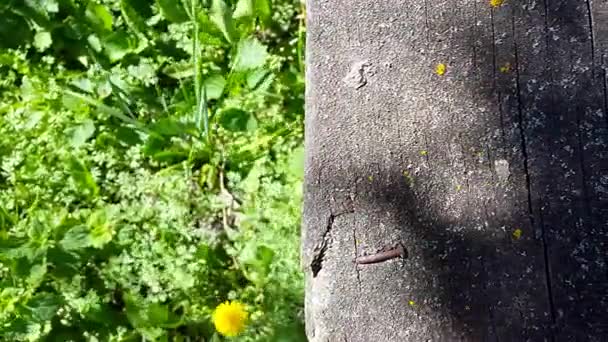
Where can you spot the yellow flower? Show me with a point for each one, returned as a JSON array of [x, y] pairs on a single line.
[[230, 318], [505, 68], [496, 3], [440, 69], [411, 303], [517, 234]]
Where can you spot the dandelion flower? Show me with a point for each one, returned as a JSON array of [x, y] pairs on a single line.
[[496, 3], [230, 318], [440, 69]]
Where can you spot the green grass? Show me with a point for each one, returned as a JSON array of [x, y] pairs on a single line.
[[150, 168]]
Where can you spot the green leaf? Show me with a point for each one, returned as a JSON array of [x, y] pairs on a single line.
[[6, 221], [101, 229], [262, 8], [179, 70], [158, 314], [169, 127], [221, 16], [84, 84], [82, 133], [172, 10], [244, 8], [14, 31], [51, 6], [296, 163], [18, 328], [119, 44], [128, 136], [214, 86], [258, 77], [183, 279], [99, 16], [82, 177], [170, 157], [94, 43], [36, 276], [258, 259], [44, 306], [42, 40], [12, 247], [134, 13], [252, 9], [237, 120], [33, 120], [76, 238], [65, 264], [251, 54], [144, 314]]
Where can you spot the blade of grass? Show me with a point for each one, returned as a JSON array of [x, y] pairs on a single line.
[[301, 37], [110, 111], [195, 51], [201, 114]]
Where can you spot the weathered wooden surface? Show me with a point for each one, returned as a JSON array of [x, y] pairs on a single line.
[[512, 139]]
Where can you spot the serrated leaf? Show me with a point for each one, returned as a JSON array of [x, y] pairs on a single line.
[[36, 276], [33, 120], [244, 8], [82, 133], [12, 247], [18, 328], [221, 15], [179, 70], [44, 306], [257, 77], [76, 238], [251, 54], [214, 86], [101, 230], [43, 40], [82, 177], [252, 9], [172, 10], [65, 264], [134, 12]]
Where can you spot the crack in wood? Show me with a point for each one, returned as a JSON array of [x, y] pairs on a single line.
[[524, 151], [592, 36], [316, 265]]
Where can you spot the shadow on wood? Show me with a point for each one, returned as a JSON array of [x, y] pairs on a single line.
[[492, 175]]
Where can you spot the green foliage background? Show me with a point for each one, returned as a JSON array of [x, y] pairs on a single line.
[[151, 165]]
